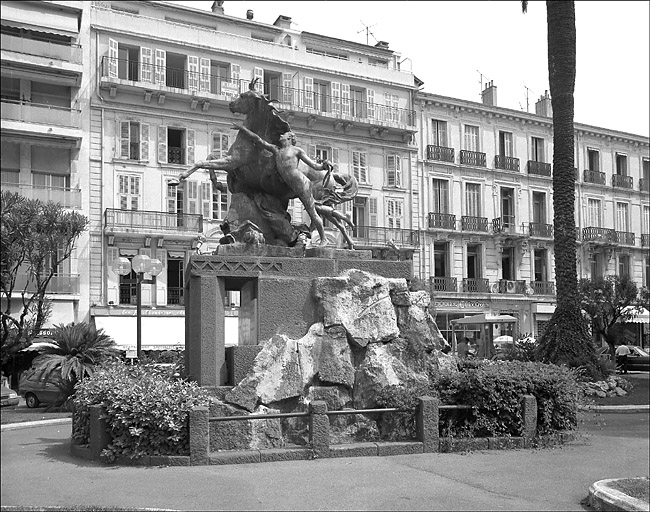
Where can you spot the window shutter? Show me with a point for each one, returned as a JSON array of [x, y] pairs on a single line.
[[112, 58], [204, 79], [192, 72], [398, 172], [125, 138], [235, 76], [191, 193], [309, 92], [190, 142], [162, 144], [146, 61], [372, 211], [336, 97], [287, 86], [259, 74], [144, 142], [345, 99], [160, 70], [171, 198], [312, 151], [335, 158], [370, 101], [206, 199], [113, 254]]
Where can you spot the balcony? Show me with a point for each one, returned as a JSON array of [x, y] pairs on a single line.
[[144, 221], [604, 235], [645, 240], [476, 285], [540, 230], [543, 287], [147, 76], [479, 224], [507, 163], [644, 185], [441, 153], [441, 221], [41, 114], [506, 226], [625, 238], [370, 236], [175, 296], [511, 286], [443, 284], [472, 158], [594, 177], [41, 48], [539, 168], [67, 197], [620, 181], [59, 284]]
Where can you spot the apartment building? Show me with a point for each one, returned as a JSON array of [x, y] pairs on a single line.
[[44, 149], [163, 77], [484, 180]]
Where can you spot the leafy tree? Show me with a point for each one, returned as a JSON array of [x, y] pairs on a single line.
[[566, 339], [36, 238], [608, 301]]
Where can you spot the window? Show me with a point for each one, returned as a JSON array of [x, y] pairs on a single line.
[[623, 265], [596, 265], [505, 144], [220, 145], [321, 95], [508, 263], [471, 138], [192, 194], [646, 220], [621, 164], [360, 166], [128, 191], [622, 222], [647, 270], [440, 259], [439, 133], [646, 170], [474, 261], [394, 171], [594, 214], [133, 140], [508, 207], [175, 145], [174, 198], [175, 281], [539, 207], [392, 107], [220, 203], [358, 104], [541, 269], [394, 213], [439, 196], [593, 160], [537, 149], [473, 199], [43, 180]]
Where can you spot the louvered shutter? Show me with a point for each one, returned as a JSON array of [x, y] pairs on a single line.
[[124, 138], [312, 151], [112, 58], [206, 199], [190, 143], [162, 144], [336, 97], [345, 99], [192, 195], [309, 92], [171, 198], [144, 142], [161, 280], [335, 159], [204, 80], [287, 88], [113, 279], [160, 70], [259, 74], [192, 72], [372, 211], [146, 61], [370, 101], [235, 76]]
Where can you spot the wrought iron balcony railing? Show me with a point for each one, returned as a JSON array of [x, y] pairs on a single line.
[[644, 185], [506, 163], [476, 285], [441, 153], [59, 284], [443, 284], [152, 221], [543, 287], [38, 113], [622, 181], [540, 230], [645, 240], [472, 158], [625, 238], [67, 197], [594, 177], [442, 220], [375, 236], [41, 48], [469, 223], [539, 168], [594, 234], [289, 98], [511, 286], [175, 296], [506, 225]]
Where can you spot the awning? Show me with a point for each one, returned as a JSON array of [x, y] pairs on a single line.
[[158, 333], [485, 318], [41, 19], [641, 316]]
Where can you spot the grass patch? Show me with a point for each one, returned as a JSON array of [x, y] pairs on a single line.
[[638, 488]]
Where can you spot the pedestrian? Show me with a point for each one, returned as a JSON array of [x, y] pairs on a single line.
[[463, 348], [621, 358]]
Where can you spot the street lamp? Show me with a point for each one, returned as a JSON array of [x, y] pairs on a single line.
[[141, 265]]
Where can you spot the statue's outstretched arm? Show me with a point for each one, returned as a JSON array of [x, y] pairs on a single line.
[[256, 138]]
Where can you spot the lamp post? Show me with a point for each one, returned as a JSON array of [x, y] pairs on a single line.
[[141, 265]]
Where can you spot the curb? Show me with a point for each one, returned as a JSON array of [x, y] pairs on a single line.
[[616, 408], [29, 424], [603, 497]]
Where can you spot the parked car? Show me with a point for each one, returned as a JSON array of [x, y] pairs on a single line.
[[9, 396], [639, 359], [38, 390]]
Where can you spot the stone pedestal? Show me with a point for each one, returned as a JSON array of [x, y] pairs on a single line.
[[276, 294]]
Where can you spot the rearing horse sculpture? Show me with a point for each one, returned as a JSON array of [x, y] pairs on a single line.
[[253, 171]]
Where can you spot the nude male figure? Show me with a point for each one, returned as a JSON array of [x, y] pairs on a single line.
[[287, 158]]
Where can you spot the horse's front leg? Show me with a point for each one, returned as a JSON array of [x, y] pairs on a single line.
[[220, 164]]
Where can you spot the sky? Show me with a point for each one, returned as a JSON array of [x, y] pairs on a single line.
[[455, 46]]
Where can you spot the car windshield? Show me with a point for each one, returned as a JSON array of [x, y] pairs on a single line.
[[640, 351]]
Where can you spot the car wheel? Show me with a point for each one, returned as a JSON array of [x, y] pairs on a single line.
[[31, 400]]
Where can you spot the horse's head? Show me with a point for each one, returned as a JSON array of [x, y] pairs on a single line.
[[250, 101]]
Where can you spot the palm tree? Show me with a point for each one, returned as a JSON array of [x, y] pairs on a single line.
[[566, 339], [76, 350]]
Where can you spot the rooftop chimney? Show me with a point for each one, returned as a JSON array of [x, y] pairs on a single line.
[[543, 106], [217, 7], [283, 22], [489, 94], [249, 14], [382, 44]]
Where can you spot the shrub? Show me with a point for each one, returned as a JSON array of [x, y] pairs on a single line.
[[147, 410]]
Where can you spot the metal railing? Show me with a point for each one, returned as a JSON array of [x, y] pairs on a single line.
[[475, 285], [599, 235], [67, 197], [32, 46], [175, 155], [175, 296], [620, 181], [543, 287], [472, 158], [38, 113], [506, 163], [59, 284], [369, 235], [152, 221], [443, 284], [506, 224], [594, 177], [625, 238], [441, 220], [539, 168], [469, 223], [541, 230], [511, 286], [441, 153], [645, 240]]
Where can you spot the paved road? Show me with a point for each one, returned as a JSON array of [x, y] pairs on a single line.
[[37, 470]]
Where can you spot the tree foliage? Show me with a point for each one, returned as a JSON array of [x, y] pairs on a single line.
[[36, 238]]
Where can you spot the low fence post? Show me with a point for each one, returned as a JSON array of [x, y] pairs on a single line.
[[319, 428], [100, 438], [529, 415], [427, 423], [199, 437]]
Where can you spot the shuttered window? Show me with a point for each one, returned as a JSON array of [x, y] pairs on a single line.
[[360, 166], [473, 199], [393, 171]]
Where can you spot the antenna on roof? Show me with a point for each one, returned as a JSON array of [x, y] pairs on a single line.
[[481, 82], [527, 91], [366, 29]]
